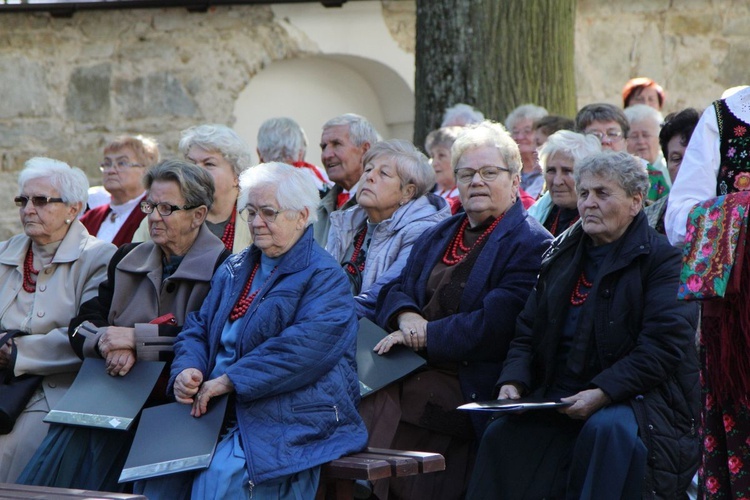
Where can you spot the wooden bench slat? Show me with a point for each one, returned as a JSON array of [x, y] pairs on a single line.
[[350, 467], [19, 491], [400, 466], [427, 462]]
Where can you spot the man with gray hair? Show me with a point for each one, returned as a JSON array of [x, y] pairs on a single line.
[[283, 140], [344, 142]]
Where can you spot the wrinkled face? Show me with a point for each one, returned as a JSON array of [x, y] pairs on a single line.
[[274, 238], [609, 134], [45, 224], [381, 193], [559, 178], [606, 209], [481, 198], [441, 163], [675, 153], [225, 181], [643, 140], [125, 181], [647, 95], [173, 233], [523, 134], [341, 158]]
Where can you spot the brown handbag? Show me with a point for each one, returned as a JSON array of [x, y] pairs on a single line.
[[15, 392]]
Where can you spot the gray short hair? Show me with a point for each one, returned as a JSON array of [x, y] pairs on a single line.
[[220, 138], [361, 131], [196, 184], [70, 182], [442, 137], [412, 165], [641, 112], [461, 115], [577, 146], [625, 169], [525, 112], [281, 139], [488, 133], [294, 188], [601, 112]]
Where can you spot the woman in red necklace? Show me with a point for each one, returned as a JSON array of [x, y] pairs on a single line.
[[456, 303], [45, 274], [603, 331]]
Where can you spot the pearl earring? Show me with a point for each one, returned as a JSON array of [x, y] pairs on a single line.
[[67, 221]]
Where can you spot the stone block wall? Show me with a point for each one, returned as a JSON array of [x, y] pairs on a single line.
[[69, 85]]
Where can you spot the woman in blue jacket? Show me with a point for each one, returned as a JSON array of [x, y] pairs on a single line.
[[277, 332]]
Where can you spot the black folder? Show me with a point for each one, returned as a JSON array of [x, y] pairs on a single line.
[[376, 371], [168, 440], [96, 399]]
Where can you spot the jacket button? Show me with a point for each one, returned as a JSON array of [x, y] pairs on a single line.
[[51, 384], [473, 396], [48, 271], [639, 397], [40, 314], [606, 293], [171, 287], [650, 427], [42, 288]]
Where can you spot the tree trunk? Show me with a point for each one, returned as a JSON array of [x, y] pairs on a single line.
[[494, 55]]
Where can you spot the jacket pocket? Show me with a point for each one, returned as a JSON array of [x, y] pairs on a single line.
[[311, 422]]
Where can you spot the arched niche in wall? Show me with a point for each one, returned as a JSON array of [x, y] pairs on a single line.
[[311, 90]]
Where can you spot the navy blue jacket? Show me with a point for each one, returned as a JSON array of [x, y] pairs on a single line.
[[295, 377], [478, 334]]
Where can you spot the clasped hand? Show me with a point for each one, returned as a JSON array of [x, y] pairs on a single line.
[[412, 333], [190, 389], [117, 347], [5, 354]]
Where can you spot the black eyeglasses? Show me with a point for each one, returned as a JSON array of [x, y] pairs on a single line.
[[268, 214], [164, 209], [37, 201]]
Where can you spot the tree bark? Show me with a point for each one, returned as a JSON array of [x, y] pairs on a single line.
[[494, 55]]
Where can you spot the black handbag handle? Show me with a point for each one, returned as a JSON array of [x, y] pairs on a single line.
[[7, 373]]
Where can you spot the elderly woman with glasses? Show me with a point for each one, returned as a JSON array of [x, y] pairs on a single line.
[[126, 159], [46, 273], [604, 333], [219, 150], [168, 275], [609, 124], [455, 303], [373, 239], [557, 209], [277, 333], [520, 124]]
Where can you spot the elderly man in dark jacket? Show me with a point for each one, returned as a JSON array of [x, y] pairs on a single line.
[[604, 332]]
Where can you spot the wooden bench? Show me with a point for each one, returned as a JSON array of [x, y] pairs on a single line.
[[338, 476], [20, 491]]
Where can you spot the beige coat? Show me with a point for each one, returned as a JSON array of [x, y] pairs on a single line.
[[73, 277]]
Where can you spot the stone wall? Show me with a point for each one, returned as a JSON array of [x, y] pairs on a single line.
[[70, 84]]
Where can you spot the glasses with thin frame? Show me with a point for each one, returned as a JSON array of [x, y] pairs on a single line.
[[488, 173], [268, 214], [164, 209], [37, 201], [118, 165], [610, 135]]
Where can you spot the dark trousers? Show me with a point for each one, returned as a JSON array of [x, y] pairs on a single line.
[[545, 454]]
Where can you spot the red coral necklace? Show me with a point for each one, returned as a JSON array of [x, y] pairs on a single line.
[[451, 256], [228, 237], [350, 266], [246, 298], [29, 285], [577, 297], [553, 228]]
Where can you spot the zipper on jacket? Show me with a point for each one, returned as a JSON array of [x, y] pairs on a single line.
[[336, 409], [250, 486]]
